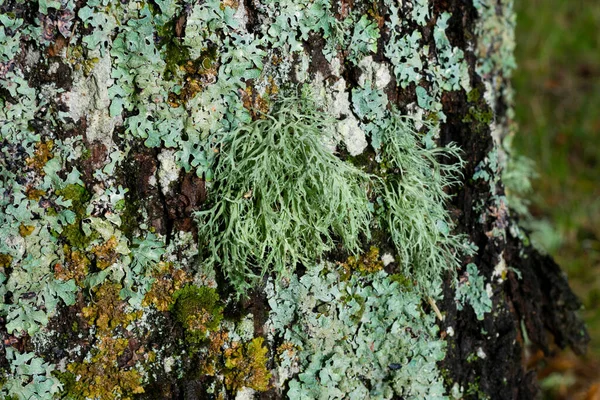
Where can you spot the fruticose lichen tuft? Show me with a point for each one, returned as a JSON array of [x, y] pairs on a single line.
[[281, 197], [413, 198]]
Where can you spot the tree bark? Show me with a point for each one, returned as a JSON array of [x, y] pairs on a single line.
[[115, 121]]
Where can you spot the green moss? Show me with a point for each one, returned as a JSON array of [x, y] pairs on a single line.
[[483, 116], [76, 193], [79, 197], [175, 53], [85, 154], [473, 389], [357, 303], [474, 95], [471, 358], [75, 236], [246, 366], [479, 114], [76, 56], [198, 309], [402, 280], [129, 209], [198, 73]]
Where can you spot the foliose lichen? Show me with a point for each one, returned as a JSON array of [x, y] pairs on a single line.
[[362, 337]]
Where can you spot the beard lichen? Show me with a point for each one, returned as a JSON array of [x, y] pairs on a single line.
[[281, 197], [414, 197]]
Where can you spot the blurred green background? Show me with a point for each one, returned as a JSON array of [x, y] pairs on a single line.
[[557, 95]]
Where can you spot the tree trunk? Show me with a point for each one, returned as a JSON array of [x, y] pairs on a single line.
[[266, 199]]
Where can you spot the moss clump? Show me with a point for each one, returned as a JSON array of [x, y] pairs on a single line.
[[233, 365], [198, 309], [281, 197], [480, 114], [402, 280], [174, 52], [101, 377], [246, 366], [367, 263], [79, 197]]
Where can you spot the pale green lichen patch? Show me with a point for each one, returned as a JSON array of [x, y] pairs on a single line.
[[347, 126], [471, 289], [361, 338], [412, 200], [495, 50]]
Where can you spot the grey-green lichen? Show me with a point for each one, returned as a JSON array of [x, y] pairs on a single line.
[[412, 200], [365, 337], [472, 289]]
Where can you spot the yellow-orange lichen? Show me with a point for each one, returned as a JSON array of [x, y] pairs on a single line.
[[5, 260], [230, 3], [34, 194], [26, 230], [167, 280], [108, 311], [106, 254], [368, 262], [246, 366], [199, 73], [272, 89], [210, 363], [288, 348], [75, 267], [41, 155], [102, 377], [255, 103]]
